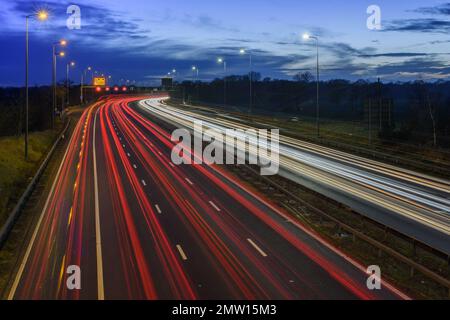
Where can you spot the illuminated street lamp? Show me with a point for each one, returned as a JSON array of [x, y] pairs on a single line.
[[222, 61], [83, 78], [195, 70], [41, 15], [69, 65], [61, 54], [244, 52], [308, 37]]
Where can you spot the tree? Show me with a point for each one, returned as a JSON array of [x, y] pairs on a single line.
[[304, 77]]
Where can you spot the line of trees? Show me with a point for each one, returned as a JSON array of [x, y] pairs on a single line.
[[420, 110], [12, 107]]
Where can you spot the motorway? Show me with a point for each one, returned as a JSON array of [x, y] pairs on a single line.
[[412, 203], [140, 227]]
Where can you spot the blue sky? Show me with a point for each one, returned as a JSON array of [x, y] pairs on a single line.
[[143, 40]]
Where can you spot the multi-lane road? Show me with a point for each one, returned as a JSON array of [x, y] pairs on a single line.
[[409, 202], [140, 227]]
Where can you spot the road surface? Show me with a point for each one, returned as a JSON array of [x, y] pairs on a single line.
[[414, 204], [140, 227]]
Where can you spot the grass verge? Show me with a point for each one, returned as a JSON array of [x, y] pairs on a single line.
[[15, 171]]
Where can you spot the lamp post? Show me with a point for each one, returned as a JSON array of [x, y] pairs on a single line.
[[83, 78], [55, 54], [69, 64], [195, 70], [222, 61], [307, 37], [250, 77], [42, 16]]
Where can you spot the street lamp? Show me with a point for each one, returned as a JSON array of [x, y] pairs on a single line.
[[61, 54], [244, 52], [196, 70], [41, 15], [308, 37], [222, 61], [83, 78], [69, 65]]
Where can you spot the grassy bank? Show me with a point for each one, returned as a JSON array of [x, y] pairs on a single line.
[[15, 172]]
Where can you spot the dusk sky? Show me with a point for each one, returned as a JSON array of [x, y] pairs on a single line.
[[143, 40]]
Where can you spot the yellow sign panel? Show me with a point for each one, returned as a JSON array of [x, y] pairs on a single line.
[[99, 81]]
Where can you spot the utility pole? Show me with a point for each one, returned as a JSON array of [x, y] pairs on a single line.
[[370, 121], [54, 86], [380, 105]]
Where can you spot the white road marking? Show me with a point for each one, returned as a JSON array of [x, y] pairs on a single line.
[[182, 254], [171, 164], [158, 208], [257, 248], [143, 182], [129, 155], [189, 181], [214, 206], [134, 166], [98, 237]]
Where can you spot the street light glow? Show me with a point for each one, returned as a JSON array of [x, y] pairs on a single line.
[[219, 60], [194, 68], [72, 64], [62, 54], [42, 15], [63, 43], [242, 51], [306, 36]]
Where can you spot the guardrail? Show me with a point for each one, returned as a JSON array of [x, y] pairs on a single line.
[[14, 215]]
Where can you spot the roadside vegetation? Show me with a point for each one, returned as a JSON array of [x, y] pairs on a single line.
[[15, 171]]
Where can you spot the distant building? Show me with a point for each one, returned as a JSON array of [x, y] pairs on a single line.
[[166, 83]]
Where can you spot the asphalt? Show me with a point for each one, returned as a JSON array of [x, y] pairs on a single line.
[[414, 204], [140, 227]]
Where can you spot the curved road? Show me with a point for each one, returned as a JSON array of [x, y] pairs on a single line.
[[409, 202], [140, 227]]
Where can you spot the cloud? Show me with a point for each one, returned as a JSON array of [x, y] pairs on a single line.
[[98, 23], [206, 22], [393, 55], [414, 68], [425, 25], [428, 25], [443, 9]]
